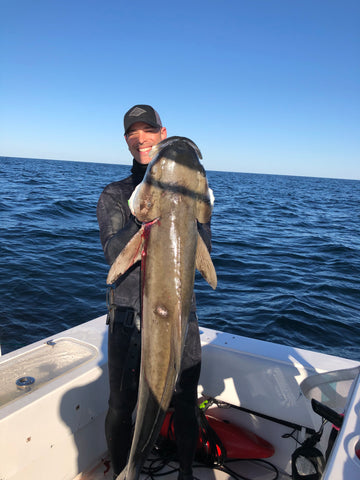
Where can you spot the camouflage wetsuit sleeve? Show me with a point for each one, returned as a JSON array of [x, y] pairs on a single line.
[[117, 225]]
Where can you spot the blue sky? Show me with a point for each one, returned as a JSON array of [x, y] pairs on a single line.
[[262, 86]]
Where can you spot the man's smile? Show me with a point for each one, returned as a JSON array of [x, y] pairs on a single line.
[[141, 137]]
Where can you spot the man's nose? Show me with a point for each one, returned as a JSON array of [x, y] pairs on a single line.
[[141, 136]]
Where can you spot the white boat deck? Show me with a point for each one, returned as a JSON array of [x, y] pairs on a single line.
[[59, 421], [246, 469]]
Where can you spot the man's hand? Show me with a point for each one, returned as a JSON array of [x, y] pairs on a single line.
[[131, 200], [212, 198]]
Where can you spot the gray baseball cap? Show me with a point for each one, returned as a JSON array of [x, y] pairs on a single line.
[[141, 113]]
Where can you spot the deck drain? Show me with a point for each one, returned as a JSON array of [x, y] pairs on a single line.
[[25, 382]]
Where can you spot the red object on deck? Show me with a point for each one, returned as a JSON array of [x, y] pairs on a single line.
[[238, 441]]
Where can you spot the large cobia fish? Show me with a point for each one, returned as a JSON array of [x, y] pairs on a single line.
[[173, 196]]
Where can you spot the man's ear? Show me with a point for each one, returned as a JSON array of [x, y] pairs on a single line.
[[163, 133]]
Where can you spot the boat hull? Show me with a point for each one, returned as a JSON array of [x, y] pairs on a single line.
[[59, 427]]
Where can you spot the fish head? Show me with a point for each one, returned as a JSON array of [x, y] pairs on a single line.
[[176, 171]]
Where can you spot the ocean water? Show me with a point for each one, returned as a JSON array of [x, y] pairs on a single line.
[[286, 251]]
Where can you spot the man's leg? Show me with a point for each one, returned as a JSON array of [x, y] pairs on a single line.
[[186, 421], [123, 363]]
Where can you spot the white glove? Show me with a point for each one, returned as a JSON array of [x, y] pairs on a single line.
[[131, 200], [212, 198]]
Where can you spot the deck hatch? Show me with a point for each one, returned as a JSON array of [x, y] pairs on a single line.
[[41, 364]]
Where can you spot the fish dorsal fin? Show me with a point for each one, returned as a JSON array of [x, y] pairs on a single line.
[[127, 257], [204, 263]]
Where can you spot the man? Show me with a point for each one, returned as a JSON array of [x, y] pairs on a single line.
[[143, 130]]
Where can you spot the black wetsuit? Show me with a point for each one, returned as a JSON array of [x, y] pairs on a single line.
[[117, 226]]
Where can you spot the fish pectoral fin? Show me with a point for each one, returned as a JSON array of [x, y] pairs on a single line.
[[130, 254], [204, 263]]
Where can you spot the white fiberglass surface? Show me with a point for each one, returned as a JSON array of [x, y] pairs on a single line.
[[29, 371]]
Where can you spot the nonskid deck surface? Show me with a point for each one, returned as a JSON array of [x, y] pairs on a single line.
[[243, 470]]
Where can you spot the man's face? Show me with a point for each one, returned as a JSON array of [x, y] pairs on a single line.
[[141, 137]]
